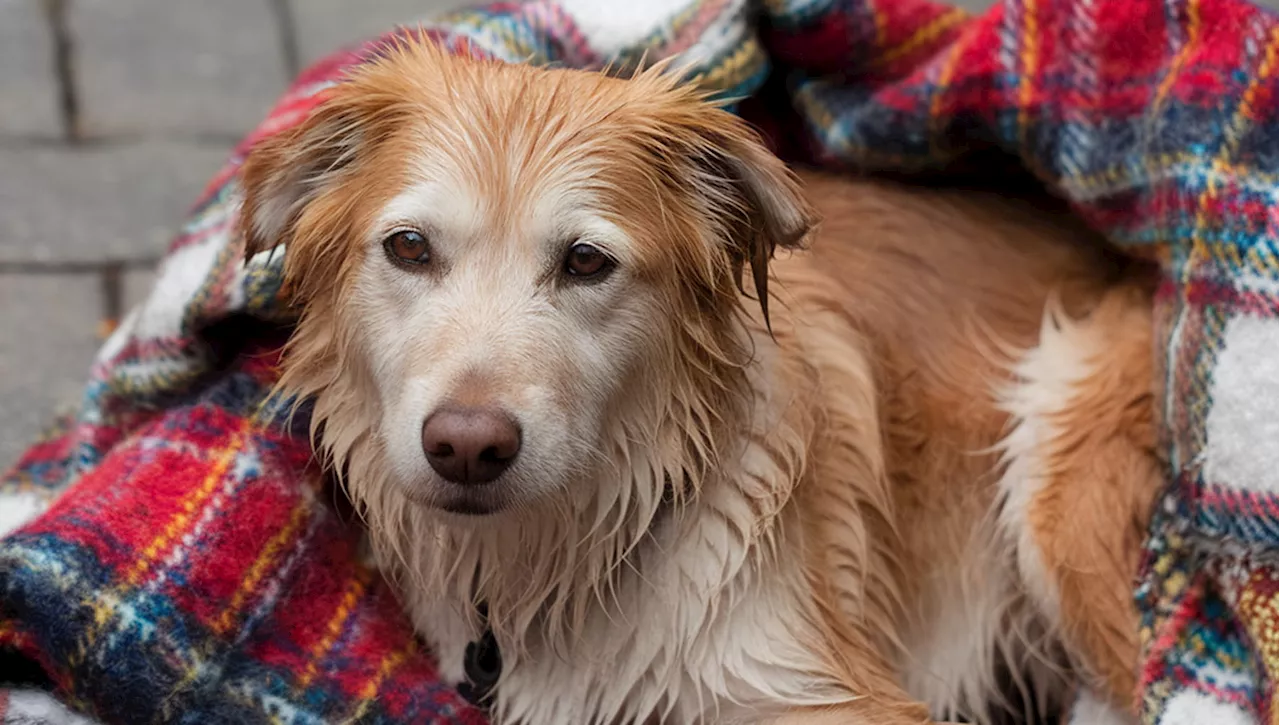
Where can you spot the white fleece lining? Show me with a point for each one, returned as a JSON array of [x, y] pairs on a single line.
[[1243, 449], [1196, 708]]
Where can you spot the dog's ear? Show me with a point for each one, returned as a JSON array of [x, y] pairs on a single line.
[[285, 172], [759, 198]]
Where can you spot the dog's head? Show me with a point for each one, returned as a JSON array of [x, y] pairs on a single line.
[[511, 277]]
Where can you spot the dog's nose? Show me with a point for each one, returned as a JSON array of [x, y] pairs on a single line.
[[470, 445]]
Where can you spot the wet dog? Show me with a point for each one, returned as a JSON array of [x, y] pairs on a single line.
[[585, 410]]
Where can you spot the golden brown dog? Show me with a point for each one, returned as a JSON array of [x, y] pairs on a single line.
[[920, 476]]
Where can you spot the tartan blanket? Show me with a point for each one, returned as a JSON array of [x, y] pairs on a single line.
[[171, 553]]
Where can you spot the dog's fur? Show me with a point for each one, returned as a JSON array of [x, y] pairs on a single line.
[[923, 472]]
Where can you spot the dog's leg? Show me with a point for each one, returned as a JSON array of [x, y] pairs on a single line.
[[447, 633], [1081, 478]]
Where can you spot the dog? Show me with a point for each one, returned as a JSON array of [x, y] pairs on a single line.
[[686, 435]]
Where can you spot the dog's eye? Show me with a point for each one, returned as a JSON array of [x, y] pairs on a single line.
[[587, 262], [408, 247]]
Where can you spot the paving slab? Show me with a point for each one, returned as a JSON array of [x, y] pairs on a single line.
[[28, 86], [98, 203], [185, 67], [48, 328], [323, 26]]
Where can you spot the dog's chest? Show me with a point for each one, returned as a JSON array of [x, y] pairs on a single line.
[[702, 630]]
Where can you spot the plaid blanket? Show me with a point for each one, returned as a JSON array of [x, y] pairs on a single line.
[[172, 554]]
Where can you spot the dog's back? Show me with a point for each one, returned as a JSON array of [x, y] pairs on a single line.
[[1010, 354]]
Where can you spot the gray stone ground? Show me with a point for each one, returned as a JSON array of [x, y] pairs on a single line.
[[113, 113]]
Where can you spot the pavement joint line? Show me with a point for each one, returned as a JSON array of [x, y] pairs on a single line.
[[37, 268], [287, 30], [64, 64], [122, 140], [112, 292]]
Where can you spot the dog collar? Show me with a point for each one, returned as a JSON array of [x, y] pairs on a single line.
[[482, 665]]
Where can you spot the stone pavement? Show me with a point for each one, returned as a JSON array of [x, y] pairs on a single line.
[[113, 114]]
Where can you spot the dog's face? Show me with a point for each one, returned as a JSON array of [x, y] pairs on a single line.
[[508, 275]]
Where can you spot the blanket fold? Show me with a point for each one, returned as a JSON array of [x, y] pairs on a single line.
[[171, 554]]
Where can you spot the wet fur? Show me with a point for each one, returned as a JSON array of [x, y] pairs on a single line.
[[927, 463]]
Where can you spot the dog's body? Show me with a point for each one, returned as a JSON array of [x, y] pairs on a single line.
[[901, 484]]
